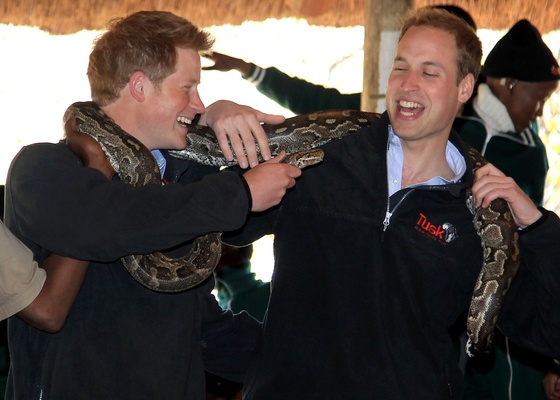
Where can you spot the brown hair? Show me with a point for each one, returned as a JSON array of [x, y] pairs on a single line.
[[469, 47], [144, 41]]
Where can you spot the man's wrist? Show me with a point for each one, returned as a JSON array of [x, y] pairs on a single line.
[[543, 216]]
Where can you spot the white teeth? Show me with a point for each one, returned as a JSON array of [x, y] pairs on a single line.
[[409, 104], [184, 120]]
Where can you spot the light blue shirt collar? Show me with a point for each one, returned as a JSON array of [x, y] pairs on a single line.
[[161, 161], [395, 164]]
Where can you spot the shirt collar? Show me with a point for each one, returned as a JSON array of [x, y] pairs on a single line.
[[395, 159], [161, 161]]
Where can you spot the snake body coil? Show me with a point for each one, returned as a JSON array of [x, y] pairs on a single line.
[[135, 165], [303, 135], [501, 259], [296, 134]]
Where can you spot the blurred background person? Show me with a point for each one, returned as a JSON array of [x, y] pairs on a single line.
[[520, 74]]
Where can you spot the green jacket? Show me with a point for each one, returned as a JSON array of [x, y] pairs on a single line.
[[521, 155], [298, 95]]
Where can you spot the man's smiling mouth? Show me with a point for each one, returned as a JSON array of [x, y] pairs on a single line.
[[409, 108], [184, 121]]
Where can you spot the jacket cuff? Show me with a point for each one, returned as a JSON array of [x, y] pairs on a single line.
[[256, 75], [537, 223], [248, 191]]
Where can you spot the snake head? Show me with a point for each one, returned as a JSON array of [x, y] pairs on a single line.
[[304, 159]]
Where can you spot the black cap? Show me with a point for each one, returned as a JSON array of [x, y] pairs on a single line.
[[522, 54]]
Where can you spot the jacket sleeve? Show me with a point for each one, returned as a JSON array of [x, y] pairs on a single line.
[[53, 202], [302, 97], [531, 313], [21, 279]]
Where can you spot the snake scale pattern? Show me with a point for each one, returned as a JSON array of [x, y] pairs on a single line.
[[135, 165], [300, 136], [501, 259]]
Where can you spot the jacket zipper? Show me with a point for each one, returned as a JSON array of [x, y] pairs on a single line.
[[389, 213]]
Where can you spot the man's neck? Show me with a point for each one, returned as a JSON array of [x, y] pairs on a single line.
[[423, 163], [123, 115]]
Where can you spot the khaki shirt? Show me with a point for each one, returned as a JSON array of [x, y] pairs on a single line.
[[21, 279]]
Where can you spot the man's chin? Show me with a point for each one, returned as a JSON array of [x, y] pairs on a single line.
[[180, 144]]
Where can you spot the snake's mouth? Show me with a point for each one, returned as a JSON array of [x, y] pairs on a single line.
[[409, 108], [184, 121]]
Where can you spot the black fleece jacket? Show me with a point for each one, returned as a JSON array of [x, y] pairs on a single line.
[[359, 311], [122, 340]]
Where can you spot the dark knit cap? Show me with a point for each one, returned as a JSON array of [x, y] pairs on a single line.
[[522, 54]]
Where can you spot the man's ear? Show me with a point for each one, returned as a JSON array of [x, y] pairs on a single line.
[[136, 85], [466, 87]]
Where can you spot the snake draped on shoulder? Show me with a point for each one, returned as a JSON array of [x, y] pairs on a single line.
[[300, 137]]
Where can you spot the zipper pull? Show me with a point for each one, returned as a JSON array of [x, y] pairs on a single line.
[[386, 222]]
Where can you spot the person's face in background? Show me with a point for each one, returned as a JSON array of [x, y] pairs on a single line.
[[526, 100]]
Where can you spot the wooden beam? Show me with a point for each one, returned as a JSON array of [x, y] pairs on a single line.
[[382, 22]]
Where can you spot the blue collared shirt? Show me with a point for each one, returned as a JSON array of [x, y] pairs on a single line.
[[161, 161], [395, 164]]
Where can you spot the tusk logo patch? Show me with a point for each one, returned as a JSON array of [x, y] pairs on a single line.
[[444, 233]]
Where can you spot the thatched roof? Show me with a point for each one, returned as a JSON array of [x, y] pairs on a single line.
[[69, 16]]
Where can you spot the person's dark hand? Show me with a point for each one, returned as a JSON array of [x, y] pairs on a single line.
[[85, 147], [226, 63], [551, 383]]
